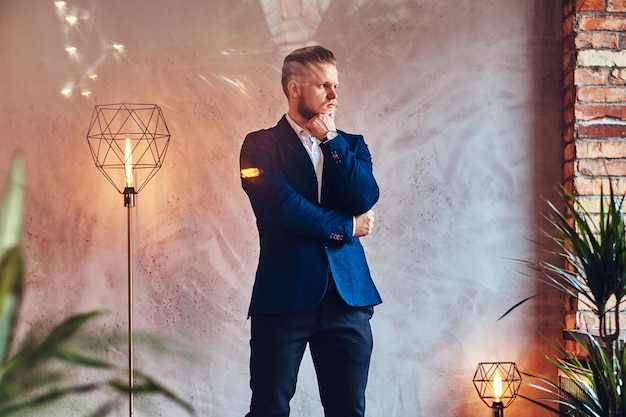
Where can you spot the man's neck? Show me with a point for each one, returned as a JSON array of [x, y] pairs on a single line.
[[298, 118]]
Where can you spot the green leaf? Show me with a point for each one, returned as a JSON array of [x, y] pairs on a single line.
[[10, 295], [79, 359], [45, 398], [12, 209], [11, 274], [147, 385], [597, 382], [52, 346]]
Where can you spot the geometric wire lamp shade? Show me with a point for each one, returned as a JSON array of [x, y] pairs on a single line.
[[497, 383], [128, 143]]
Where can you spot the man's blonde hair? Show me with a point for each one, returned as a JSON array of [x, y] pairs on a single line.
[[296, 62]]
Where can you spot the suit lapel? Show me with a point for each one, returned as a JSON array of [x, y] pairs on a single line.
[[298, 166]]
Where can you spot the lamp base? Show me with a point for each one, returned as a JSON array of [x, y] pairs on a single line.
[[498, 409], [129, 196]]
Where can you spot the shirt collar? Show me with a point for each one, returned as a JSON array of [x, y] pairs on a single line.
[[300, 131]]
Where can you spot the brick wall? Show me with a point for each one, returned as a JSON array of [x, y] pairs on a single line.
[[594, 76]]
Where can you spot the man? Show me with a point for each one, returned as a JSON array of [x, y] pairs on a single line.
[[312, 191]]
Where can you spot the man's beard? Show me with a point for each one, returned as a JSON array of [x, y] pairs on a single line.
[[305, 110]]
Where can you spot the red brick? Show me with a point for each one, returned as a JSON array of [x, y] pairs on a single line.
[[593, 186], [601, 149], [601, 167], [609, 23], [599, 111], [590, 5], [569, 61], [591, 94], [568, 184], [602, 131], [618, 77], [591, 76], [568, 25], [597, 40], [601, 94], [583, 186], [583, 40], [568, 115], [568, 8], [604, 40], [616, 95], [569, 97], [568, 45], [569, 153], [568, 134], [616, 6], [568, 80], [568, 170]]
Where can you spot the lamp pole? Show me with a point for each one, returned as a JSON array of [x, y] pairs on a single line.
[[129, 203]]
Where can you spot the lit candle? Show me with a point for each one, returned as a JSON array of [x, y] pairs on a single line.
[[497, 388], [128, 163]]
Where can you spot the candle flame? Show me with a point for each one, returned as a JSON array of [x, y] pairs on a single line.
[[497, 388], [128, 163]]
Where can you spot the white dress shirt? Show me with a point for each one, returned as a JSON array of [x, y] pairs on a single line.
[[312, 146]]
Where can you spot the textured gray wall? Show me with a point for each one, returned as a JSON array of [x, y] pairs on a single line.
[[458, 100]]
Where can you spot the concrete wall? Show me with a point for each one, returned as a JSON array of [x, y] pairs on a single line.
[[460, 102]]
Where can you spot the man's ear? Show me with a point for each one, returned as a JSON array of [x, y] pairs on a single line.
[[293, 87]]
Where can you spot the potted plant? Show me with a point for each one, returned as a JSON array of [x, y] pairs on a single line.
[[42, 370], [592, 247]]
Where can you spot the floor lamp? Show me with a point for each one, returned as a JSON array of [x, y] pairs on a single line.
[[497, 384], [128, 143]]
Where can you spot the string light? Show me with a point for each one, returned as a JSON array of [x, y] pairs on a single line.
[[118, 47], [89, 59], [71, 20], [72, 50]]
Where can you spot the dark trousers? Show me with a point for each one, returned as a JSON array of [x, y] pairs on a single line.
[[340, 341]]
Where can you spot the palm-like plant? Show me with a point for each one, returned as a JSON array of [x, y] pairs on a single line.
[[595, 387], [43, 370], [593, 248]]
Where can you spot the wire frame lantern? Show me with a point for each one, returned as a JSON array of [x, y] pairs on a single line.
[[128, 143], [497, 383]]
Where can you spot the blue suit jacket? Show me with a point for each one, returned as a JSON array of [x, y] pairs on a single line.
[[301, 239]]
